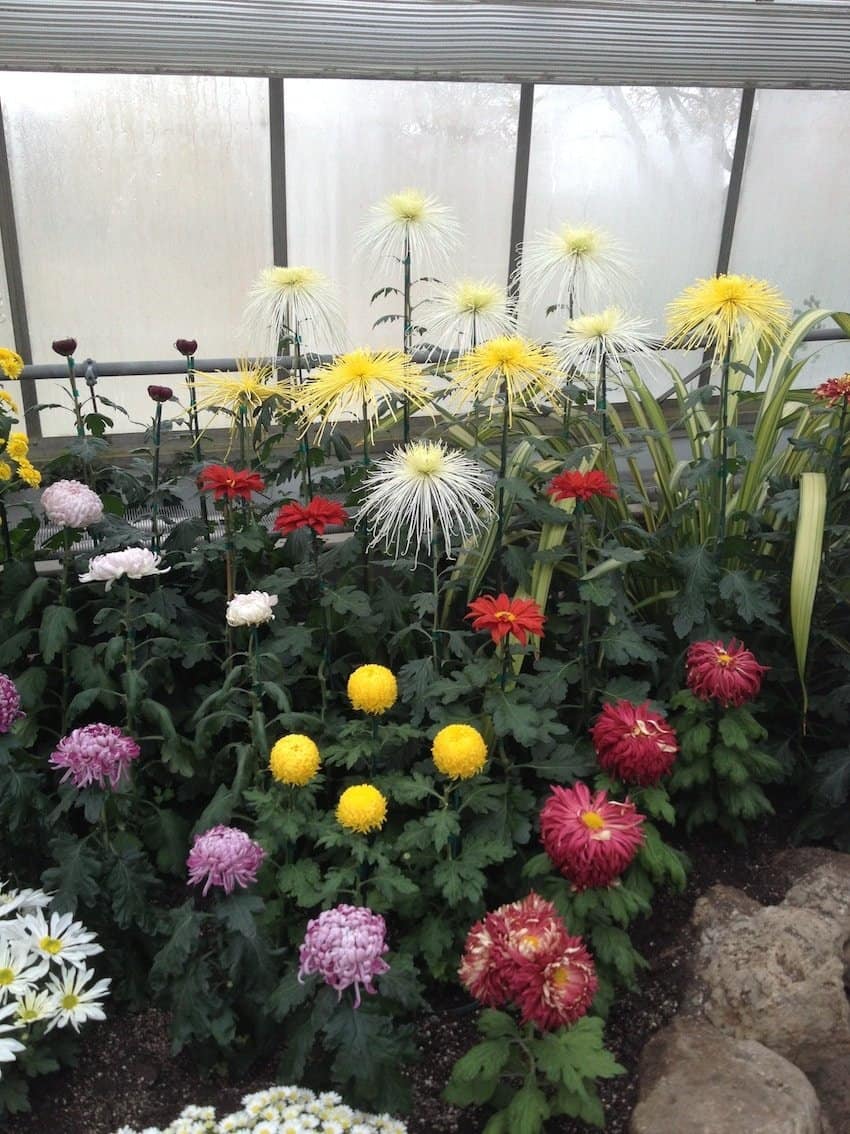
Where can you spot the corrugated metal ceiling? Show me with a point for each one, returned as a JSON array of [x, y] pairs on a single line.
[[691, 43]]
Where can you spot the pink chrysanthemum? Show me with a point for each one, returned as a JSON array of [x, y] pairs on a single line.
[[727, 674], [589, 838], [225, 857], [634, 743], [522, 953], [345, 946], [10, 703], [71, 504], [834, 389], [95, 754]]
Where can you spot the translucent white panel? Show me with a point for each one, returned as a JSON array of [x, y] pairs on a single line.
[[349, 143], [649, 165], [7, 338], [143, 207], [792, 221]]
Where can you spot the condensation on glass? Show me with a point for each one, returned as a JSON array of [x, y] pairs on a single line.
[[350, 142], [143, 209]]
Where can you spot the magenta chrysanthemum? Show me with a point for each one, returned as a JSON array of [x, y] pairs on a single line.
[[71, 504], [727, 674], [225, 857], [634, 743], [95, 754], [10, 703], [589, 838], [345, 946]]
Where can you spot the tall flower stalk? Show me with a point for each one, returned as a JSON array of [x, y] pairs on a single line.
[[66, 348], [188, 347]]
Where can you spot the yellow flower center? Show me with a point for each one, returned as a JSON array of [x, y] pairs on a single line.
[[27, 1015], [6, 977], [505, 616], [579, 241], [593, 820], [597, 326], [640, 729], [293, 277], [724, 659], [51, 945], [473, 297], [425, 460], [69, 1001], [561, 976], [409, 205]]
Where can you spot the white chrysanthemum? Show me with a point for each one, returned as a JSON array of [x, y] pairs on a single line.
[[132, 563], [62, 939], [9, 1046], [22, 901], [294, 301], [71, 504], [413, 222], [251, 609], [610, 335], [33, 1006], [20, 969], [468, 312], [73, 1001], [573, 267], [423, 488]]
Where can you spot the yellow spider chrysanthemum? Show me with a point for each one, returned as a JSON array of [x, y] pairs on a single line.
[[510, 366], [5, 471], [361, 808], [361, 383], [17, 446], [11, 363], [714, 312], [8, 400], [28, 473], [294, 759], [372, 689], [459, 751], [248, 388]]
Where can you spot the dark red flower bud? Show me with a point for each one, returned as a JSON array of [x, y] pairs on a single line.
[[160, 393], [186, 346], [65, 347]]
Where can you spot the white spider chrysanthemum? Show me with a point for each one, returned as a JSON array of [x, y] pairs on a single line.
[[73, 1001], [19, 968], [283, 302], [470, 311], [610, 335], [62, 940], [421, 489], [409, 221], [573, 267]]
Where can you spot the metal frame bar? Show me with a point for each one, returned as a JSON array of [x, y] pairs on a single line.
[[277, 151], [15, 283], [520, 193]]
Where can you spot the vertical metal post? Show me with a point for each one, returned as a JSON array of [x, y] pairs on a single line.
[[15, 282], [277, 147], [523, 151]]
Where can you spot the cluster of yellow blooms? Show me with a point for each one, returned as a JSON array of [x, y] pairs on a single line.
[[459, 751], [16, 449]]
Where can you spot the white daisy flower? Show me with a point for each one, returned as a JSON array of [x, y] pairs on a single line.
[[9, 1046], [421, 489], [294, 301], [21, 901], [291, 1126], [266, 1127], [573, 266], [409, 222], [606, 338], [33, 1006], [331, 1127], [62, 940], [19, 968], [468, 312], [73, 1002]]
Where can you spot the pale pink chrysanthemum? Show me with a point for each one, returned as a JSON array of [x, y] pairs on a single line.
[[345, 946], [727, 674], [634, 743], [10, 703], [225, 857], [71, 504], [589, 838], [95, 754]]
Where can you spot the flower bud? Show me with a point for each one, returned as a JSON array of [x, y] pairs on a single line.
[[160, 393], [91, 373], [186, 346], [65, 347]]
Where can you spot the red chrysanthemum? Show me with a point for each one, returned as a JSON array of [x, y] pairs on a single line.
[[319, 514], [589, 838], [575, 485], [634, 743], [522, 953], [228, 483], [727, 674], [502, 616], [834, 389]]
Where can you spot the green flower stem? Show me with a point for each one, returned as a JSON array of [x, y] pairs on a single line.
[[7, 535], [435, 587], [834, 477], [367, 574], [327, 632], [376, 747], [500, 498], [581, 557], [723, 467], [407, 334], [157, 438], [304, 444], [195, 432], [129, 657], [63, 599], [258, 720], [506, 665], [75, 394], [243, 440]]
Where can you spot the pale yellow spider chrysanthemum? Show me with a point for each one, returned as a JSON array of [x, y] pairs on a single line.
[[610, 335], [291, 301], [471, 310], [511, 367], [573, 267], [409, 220], [712, 313], [248, 388], [362, 383], [8, 400]]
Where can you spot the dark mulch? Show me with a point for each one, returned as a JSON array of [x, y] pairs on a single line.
[[127, 1075]]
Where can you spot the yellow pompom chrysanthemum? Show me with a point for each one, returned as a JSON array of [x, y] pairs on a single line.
[[459, 751], [294, 759], [11, 363], [372, 689], [8, 400], [28, 473], [361, 808], [5, 471], [715, 311], [17, 446]]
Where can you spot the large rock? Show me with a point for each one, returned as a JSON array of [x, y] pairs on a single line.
[[695, 1080]]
